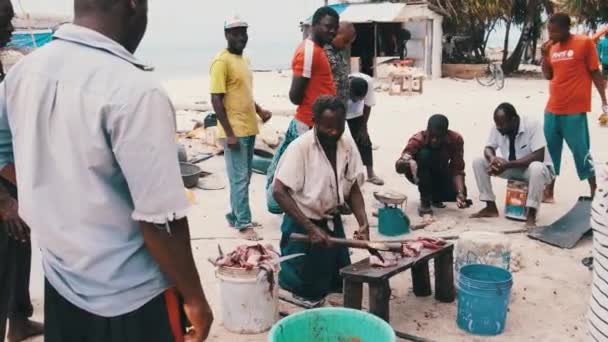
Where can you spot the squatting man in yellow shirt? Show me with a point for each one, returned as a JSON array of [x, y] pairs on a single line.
[[232, 98]]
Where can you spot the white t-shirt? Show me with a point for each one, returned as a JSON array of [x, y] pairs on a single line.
[[306, 171], [355, 109]]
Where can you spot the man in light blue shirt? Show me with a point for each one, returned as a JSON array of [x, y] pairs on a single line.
[[91, 137]]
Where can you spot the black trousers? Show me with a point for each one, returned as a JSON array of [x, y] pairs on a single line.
[[162, 319], [15, 265], [356, 125], [435, 182]]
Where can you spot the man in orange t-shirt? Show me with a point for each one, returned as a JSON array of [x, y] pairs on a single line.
[[572, 64], [312, 74], [312, 77]]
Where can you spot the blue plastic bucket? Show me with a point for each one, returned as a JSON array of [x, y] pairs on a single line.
[[332, 325], [483, 299]]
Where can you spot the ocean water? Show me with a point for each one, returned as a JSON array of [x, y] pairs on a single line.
[[193, 60]]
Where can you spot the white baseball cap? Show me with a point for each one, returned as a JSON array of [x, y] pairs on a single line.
[[234, 22]]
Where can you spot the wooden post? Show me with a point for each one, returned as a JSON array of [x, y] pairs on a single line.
[[353, 294], [421, 279], [379, 297], [444, 277], [374, 70]]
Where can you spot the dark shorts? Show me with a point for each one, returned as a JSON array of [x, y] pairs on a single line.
[[162, 319]]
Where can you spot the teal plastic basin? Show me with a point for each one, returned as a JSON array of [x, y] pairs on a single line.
[[332, 325]]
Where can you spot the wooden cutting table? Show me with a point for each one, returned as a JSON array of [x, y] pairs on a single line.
[[378, 280]]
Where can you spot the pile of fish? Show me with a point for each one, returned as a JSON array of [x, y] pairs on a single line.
[[248, 257], [409, 249], [412, 249]]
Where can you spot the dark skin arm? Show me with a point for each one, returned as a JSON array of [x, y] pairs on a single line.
[[547, 68], [596, 37], [264, 114], [367, 110], [356, 202], [173, 253], [9, 214], [459, 186], [217, 101], [297, 90], [489, 153], [600, 85], [536, 156], [8, 173], [499, 165], [287, 203]]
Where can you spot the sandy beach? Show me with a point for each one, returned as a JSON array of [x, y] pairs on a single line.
[[551, 291]]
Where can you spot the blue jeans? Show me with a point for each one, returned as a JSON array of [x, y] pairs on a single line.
[[238, 167]]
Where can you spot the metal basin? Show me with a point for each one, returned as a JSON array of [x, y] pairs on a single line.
[[190, 174]]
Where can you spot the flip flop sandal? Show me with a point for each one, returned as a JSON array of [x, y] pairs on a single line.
[[424, 211], [250, 235], [439, 205], [376, 181]]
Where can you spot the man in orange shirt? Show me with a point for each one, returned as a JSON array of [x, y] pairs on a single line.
[[312, 77], [572, 64]]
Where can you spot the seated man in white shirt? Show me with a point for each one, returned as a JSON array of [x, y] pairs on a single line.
[[360, 103], [319, 172], [521, 140]]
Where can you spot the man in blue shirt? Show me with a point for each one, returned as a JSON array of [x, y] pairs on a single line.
[[90, 141]]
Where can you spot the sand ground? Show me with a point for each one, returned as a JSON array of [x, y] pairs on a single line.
[[551, 291]]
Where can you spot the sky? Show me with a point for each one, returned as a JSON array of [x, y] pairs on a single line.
[[186, 34]]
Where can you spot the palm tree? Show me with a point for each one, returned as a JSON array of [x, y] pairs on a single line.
[[590, 12]]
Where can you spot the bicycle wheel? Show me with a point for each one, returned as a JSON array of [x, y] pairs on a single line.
[[499, 76], [488, 79]]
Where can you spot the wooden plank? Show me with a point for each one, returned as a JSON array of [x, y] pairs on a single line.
[[421, 279], [362, 271], [353, 294], [379, 297], [444, 278]]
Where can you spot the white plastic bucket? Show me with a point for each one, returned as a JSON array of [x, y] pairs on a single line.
[[485, 248], [249, 307]]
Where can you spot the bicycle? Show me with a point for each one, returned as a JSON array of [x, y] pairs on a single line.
[[494, 75]]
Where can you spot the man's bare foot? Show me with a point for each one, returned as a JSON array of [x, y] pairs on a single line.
[[250, 234], [592, 186], [531, 218], [489, 211], [548, 196], [375, 180], [20, 330], [425, 208]]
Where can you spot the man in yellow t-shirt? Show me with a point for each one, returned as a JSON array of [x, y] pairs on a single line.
[[232, 98]]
